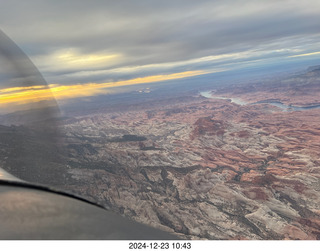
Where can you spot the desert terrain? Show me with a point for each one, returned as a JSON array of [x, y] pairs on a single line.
[[199, 167], [207, 168]]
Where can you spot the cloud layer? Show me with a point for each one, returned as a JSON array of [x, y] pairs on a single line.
[[74, 42]]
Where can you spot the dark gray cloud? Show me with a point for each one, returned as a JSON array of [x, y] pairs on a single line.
[[158, 32]]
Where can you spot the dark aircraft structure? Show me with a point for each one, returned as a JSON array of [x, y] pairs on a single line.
[[31, 211]]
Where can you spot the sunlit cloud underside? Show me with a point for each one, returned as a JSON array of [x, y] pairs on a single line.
[[88, 48], [24, 95], [31, 94]]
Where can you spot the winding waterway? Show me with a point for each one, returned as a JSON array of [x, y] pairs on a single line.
[[207, 94], [287, 108]]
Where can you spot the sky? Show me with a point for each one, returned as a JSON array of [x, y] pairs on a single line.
[[82, 48]]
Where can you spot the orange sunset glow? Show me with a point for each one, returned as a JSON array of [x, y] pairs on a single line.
[[23, 95]]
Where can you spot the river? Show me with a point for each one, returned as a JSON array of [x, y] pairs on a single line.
[[287, 108]]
